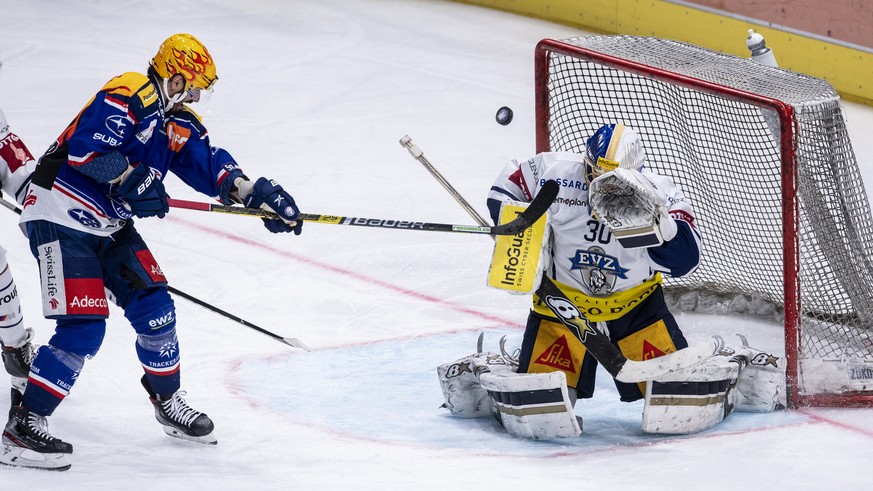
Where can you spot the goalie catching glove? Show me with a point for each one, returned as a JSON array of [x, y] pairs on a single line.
[[633, 208]]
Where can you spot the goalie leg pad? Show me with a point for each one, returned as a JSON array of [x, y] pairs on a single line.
[[464, 395], [760, 386], [532, 405], [691, 400]]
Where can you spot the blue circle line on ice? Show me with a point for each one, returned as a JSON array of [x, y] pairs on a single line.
[[388, 391]]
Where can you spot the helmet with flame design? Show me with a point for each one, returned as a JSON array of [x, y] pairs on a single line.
[[185, 55]]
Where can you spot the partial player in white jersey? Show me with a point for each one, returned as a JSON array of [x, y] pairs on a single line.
[[615, 229], [16, 165]]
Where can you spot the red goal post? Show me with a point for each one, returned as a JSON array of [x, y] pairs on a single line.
[[743, 141]]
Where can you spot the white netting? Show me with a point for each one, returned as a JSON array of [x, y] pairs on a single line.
[[726, 156]]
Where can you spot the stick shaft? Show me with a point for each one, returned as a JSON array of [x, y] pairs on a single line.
[[536, 209], [191, 298], [418, 155]]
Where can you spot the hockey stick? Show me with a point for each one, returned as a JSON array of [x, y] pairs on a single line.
[[294, 342], [417, 154], [537, 208], [289, 341], [600, 347]]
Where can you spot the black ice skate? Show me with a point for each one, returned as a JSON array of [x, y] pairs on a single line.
[[27, 443], [17, 360], [179, 419]]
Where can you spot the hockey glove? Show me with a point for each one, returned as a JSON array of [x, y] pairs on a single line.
[[269, 195], [144, 193], [633, 208]]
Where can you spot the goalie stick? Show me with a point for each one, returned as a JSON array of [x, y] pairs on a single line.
[[293, 342], [607, 354], [534, 211]]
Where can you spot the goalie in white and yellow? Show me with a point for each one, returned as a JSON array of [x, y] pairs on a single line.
[[616, 227]]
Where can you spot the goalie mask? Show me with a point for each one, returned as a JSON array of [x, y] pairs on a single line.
[[610, 147]]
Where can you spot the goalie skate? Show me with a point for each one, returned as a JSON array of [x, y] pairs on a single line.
[[181, 420]]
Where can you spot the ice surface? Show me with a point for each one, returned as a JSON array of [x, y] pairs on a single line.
[[316, 94]]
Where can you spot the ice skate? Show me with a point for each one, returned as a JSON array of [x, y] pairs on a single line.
[[179, 419], [17, 360], [27, 443]]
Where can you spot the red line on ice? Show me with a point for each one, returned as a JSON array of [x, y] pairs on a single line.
[[352, 274]]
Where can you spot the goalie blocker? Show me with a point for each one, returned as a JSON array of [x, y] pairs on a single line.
[[538, 406]]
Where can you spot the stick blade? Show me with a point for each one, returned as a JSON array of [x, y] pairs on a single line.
[[642, 371], [540, 204], [296, 343]]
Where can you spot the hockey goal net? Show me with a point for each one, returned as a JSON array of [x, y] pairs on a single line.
[[764, 156]]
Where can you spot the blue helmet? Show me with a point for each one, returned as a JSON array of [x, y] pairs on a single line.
[[613, 146]]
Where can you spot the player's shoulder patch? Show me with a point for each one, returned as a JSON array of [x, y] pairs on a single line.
[[182, 127], [134, 86]]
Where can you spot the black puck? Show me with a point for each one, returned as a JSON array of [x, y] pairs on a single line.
[[504, 116]]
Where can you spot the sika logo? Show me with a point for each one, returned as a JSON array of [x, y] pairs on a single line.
[[558, 356], [650, 351]]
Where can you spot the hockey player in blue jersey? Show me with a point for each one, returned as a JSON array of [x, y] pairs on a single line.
[[104, 170]]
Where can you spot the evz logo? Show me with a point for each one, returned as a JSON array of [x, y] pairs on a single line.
[[599, 270]]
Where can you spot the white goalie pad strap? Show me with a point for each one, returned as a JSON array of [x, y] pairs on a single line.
[[691, 400], [532, 405]]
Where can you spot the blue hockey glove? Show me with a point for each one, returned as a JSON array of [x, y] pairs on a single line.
[[268, 193], [144, 193]]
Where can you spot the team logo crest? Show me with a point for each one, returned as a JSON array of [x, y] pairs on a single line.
[[599, 270], [168, 350], [117, 125], [84, 217], [571, 317]]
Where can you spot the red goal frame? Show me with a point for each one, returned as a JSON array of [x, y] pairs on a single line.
[[789, 181]]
